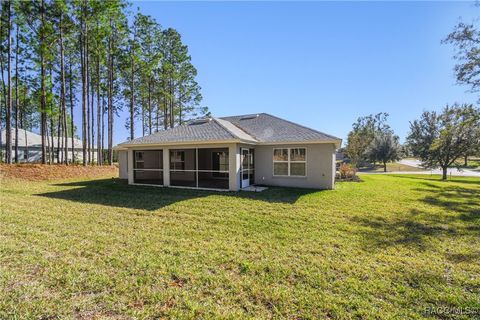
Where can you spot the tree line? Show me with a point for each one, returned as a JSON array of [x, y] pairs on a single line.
[[59, 56], [438, 139]]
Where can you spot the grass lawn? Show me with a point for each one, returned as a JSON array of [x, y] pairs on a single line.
[[392, 167], [385, 248]]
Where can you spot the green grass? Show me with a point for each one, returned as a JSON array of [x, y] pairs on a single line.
[[392, 167], [384, 248]]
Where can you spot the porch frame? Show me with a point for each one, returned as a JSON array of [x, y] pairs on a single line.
[[234, 158]]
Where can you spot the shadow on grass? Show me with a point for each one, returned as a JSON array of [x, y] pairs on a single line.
[[462, 199], [438, 178], [384, 233], [117, 193], [458, 199]]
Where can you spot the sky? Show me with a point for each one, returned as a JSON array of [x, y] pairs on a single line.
[[320, 64]]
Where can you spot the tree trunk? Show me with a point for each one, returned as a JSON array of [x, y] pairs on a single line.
[[4, 92], [444, 173], [25, 155], [142, 105], [87, 77], [63, 96], [465, 160], [384, 167], [17, 109], [92, 125], [172, 106], [71, 110], [110, 100], [99, 115], [157, 117], [149, 107], [43, 97], [8, 118], [132, 98], [52, 125], [47, 140], [59, 125], [103, 128], [84, 87], [165, 113]]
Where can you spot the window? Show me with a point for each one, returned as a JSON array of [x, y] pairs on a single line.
[[290, 162], [177, 160]]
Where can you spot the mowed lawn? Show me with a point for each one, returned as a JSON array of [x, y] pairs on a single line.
[[387, 247]]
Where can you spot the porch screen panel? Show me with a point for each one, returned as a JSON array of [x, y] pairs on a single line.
[[213, 168], [183, 168], [148, 167]]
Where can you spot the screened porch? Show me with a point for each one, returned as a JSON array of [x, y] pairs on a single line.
[[199, 168]]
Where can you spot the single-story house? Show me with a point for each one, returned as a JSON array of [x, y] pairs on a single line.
[[30, 146], [232, 153]]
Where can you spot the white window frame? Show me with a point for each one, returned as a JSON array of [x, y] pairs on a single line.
[[289, 162]]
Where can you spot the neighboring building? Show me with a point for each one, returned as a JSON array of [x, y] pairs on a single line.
[[232, 153], [30, 146]]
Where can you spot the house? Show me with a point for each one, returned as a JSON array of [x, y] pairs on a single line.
[[30, 146], [232, 153]]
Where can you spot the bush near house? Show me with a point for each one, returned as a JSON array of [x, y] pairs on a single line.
[[346, 172]]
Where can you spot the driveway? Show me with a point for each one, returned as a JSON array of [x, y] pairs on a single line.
[[417, 163]]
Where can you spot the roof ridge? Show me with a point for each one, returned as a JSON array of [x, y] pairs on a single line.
[[300, 125], [240, 115], [232, 133], [224, 128]]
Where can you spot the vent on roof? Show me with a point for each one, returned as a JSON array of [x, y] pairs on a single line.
[[200, 121], [252, 116]]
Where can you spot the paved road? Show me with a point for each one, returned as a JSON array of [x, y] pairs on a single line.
[[451, 171]]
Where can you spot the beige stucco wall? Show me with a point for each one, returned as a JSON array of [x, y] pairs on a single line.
[[122, 163], [320, 167]]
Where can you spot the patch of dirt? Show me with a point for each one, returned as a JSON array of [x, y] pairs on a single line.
[[42, 172]]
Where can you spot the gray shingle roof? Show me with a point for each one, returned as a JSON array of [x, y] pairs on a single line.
[[33, 140], [194, 131], [267, 128], [256, 128]]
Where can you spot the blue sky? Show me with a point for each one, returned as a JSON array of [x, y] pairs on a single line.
[[321, 64]]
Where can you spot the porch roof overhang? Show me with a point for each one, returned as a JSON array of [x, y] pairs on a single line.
[[337, 143], [121, 147], [179, 144]]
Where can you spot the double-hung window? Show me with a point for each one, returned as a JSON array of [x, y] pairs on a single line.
[[290, 162]]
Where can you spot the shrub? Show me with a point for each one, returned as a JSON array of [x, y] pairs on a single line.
[[346, 172]]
